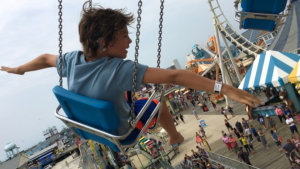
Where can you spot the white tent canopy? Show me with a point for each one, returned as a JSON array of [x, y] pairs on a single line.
[[270, 68]]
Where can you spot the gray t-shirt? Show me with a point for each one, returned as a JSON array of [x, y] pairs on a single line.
[[106, 79]]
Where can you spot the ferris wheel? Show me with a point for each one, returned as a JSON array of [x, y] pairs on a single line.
[[267, 16]]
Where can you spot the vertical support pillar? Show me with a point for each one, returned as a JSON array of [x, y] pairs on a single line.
[[220, 57], [231, 59]]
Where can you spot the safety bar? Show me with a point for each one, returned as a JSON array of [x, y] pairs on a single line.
[[250, 15], [142, 111]]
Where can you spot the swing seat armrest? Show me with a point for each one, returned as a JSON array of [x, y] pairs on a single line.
[[129, 143], [144, 108], [261, 21]]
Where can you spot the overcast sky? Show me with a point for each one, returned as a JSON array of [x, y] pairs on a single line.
[[29, 28]]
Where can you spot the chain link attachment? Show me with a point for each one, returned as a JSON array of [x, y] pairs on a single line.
[[137, 41], [90, 4], [159, 87], [160, 32], [60, 41]]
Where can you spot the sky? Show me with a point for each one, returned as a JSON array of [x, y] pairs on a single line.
[[29, 28]]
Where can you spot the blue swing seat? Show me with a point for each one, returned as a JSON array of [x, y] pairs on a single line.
[[84, 113], [261, 9]]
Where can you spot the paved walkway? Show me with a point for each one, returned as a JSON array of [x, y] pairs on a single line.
[[270, 158]]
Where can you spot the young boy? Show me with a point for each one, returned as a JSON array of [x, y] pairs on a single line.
[[101, 72]]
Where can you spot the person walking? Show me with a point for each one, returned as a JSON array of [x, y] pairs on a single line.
[[228, 126], [225, 140], [244, 156], [245, 143], [263, 138], [202, 131], [230, 110], [245, 123], [199, 139], [237, 134], [271, 122], [233, 143], [224, 113], [279, 114], [290, 121], [275, 138], [181, 117], [248, 133], [261, 121], [250, 141], [239, 126], [254, 132], [195, 114], [288, 148]]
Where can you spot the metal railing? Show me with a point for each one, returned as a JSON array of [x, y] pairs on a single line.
[[228, 162]]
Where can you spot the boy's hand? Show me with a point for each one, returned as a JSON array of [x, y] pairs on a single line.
[[12, 70], [241, 96]]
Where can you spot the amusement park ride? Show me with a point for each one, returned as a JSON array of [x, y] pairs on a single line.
[[198, 66], [100, 121]]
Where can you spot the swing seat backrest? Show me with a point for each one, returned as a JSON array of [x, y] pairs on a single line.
[[92, 112], [263, 7]]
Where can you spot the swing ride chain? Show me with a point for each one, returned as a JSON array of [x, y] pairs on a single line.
[[160, 32], [90, 4], [60, 41], [159, 87], [138, 26]]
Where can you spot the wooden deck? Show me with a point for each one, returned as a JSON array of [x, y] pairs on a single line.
[[264, 158]]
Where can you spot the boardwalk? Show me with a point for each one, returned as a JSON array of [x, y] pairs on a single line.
[[270, 158]]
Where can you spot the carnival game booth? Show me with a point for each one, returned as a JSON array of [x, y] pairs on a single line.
[[271, 69]]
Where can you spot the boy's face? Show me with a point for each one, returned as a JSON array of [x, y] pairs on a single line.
[[118, 48]]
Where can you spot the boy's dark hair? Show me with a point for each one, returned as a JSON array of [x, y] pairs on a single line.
[[98, 24]]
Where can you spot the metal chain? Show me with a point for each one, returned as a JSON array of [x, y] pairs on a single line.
[[160, 32], [60, 41], [159, 87], [90, 4], [137, 40]]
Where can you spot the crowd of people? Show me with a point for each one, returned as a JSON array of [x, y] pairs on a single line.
[[199, 159], [242, 134]]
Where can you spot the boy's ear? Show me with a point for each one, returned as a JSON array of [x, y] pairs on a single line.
[[102, 43]]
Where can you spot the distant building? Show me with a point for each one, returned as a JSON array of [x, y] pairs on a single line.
[[260, 38], [11, 150], [51, 131], [176, 64], [267, 37]]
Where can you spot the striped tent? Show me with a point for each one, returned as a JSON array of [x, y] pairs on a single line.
[[294, 77], [269, 69]]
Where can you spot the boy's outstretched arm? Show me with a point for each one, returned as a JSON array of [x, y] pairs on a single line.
[[41, 62], [191, 80]]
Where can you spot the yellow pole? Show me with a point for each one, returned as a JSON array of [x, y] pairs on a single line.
[[96, 156]]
